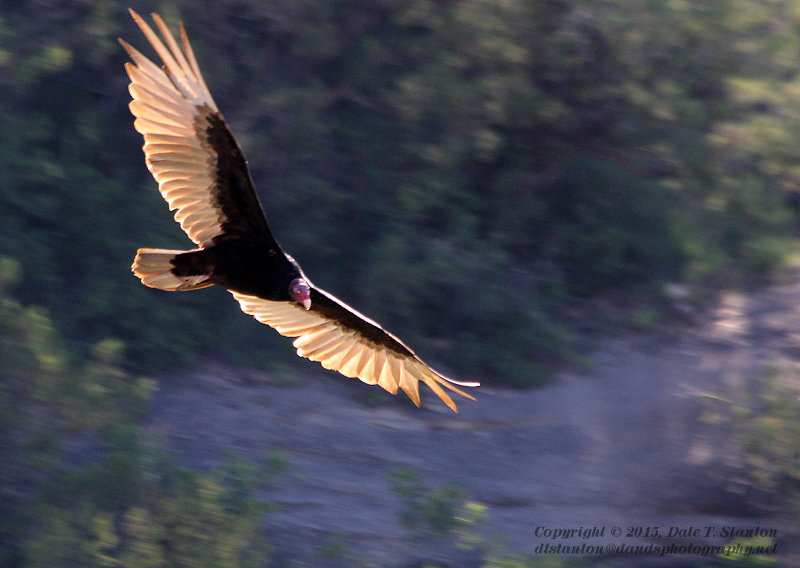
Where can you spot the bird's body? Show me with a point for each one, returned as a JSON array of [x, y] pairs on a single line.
[[203, 176]]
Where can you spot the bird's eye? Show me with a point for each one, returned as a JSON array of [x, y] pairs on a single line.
[[299, 289]]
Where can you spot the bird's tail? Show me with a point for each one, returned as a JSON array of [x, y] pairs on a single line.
[[157, 268]]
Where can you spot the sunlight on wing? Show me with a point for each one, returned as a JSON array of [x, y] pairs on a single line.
[[172, 106], [344, 350]]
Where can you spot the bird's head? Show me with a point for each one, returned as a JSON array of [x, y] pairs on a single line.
[[300, 292]]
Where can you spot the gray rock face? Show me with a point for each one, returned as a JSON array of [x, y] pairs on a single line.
[[621, 445]]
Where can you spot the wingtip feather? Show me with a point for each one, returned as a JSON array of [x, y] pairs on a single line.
[[126, 46], [434, 386], [321, 339]]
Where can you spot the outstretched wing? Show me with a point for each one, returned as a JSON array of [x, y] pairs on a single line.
[[341, 339], [188, 147]]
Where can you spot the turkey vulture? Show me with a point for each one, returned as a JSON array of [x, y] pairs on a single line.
[[203, 176]]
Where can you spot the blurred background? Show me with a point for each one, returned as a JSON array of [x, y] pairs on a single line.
[[575, 198]]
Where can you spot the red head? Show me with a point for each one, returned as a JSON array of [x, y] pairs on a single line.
[[300, 292]]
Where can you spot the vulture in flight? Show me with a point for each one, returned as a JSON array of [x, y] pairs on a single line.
[[204, 178]]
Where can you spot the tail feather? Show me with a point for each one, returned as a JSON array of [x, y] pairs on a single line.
[[154, 267]]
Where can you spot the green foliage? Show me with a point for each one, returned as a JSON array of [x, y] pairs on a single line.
[[102, 394], [446, 510], [462, 171], [603, 245], [136, 508], [531, 562], [439, 510], [32, 356], [769, 427], [114, 498], [756, 552]]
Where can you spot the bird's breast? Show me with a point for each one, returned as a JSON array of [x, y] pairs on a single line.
[[254, 270]]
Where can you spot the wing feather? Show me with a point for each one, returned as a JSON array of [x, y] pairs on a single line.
[[174, 49], [383, 371], [186, 201], [363, 369], [340, 339], [167, 115], [408, 383], [322, 348], [172, 139], [308, 342], [334, 354], [188, 147], [147, 126], [153, 93], [186, 84], [329, 351], [348, 366]]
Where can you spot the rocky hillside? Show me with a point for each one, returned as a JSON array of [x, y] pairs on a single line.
[[624, 444]]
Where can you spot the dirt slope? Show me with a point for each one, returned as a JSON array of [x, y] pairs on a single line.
[[620, 445]]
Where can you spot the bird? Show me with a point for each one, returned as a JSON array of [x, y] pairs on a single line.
[[203, 176]]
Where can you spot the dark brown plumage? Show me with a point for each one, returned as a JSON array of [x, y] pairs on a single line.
[[203, 176]]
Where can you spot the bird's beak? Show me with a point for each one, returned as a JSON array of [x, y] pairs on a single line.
[[307, 303]]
